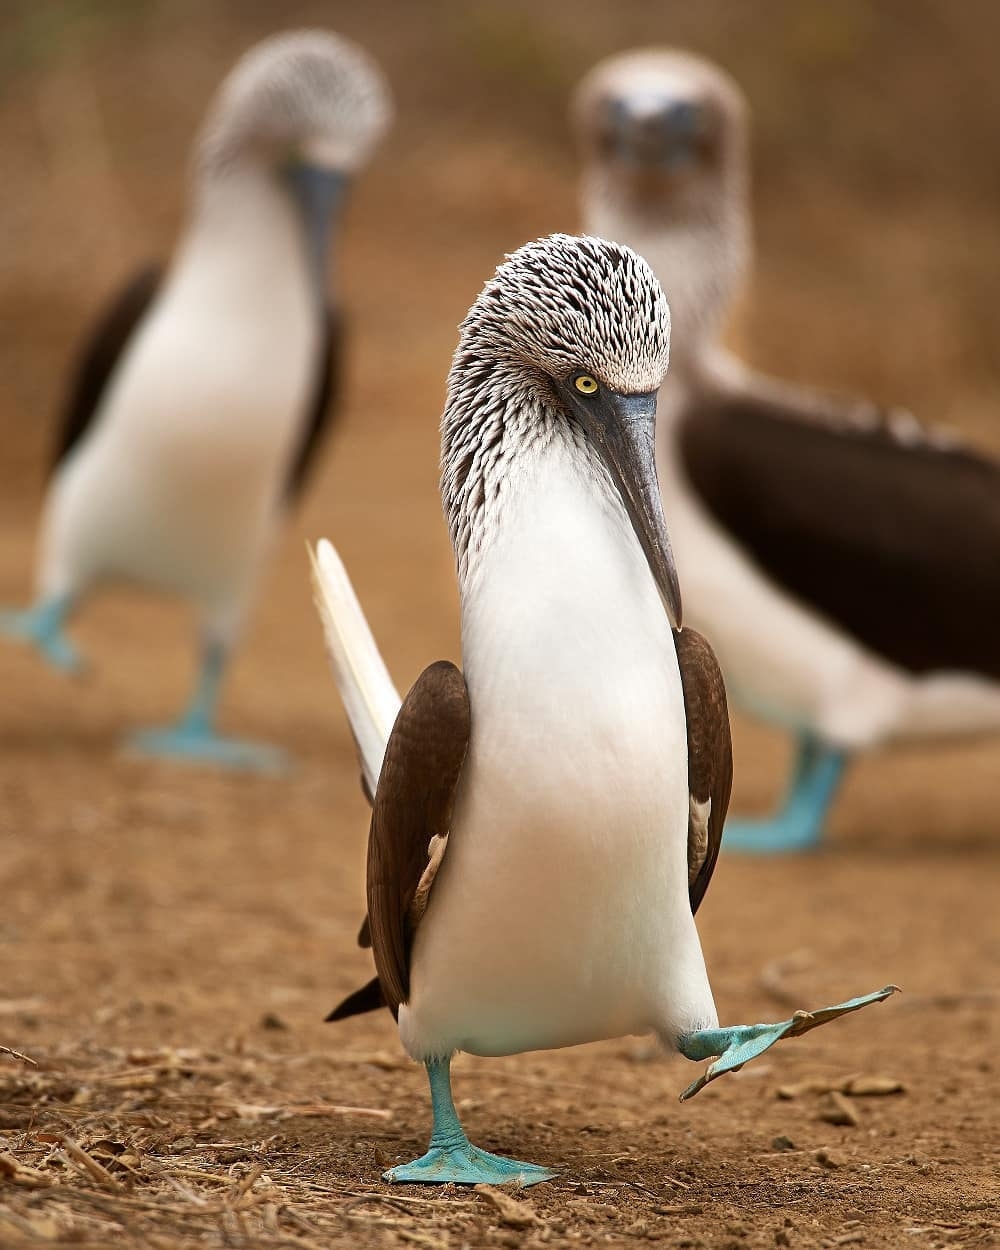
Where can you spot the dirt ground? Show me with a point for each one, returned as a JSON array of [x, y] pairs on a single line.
[[171, 939]]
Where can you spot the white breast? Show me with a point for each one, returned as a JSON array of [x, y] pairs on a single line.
[[561, 912], [177, 481]]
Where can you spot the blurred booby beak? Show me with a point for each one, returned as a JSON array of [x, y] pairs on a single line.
[[320, 193], [656, 130]]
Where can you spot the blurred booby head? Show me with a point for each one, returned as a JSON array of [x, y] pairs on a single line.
[[306, 107], [664, 140]]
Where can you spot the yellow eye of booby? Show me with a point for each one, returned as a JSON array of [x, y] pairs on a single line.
[[586, 385]]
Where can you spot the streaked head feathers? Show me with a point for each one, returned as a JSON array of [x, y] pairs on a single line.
[[566, 303]]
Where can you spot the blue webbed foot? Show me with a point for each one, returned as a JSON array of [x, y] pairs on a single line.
[[740, 1043], [200, 745], [465, 1164], [42, 626], [799, 824], [451, 1157]]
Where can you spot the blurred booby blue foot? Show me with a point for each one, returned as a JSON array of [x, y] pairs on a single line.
[[202, 745], [738, 1044], [194, 740], [42, 626], [799, 824], [452, 1158]]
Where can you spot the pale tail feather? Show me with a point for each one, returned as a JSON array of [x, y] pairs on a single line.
[[370, 698]]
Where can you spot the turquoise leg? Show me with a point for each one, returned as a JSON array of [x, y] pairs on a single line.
[[452, 1158], [42, 626], [194, 739], [799, 825], [739, 1044]]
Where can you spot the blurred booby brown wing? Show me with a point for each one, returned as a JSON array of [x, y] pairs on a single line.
[[324, 404], [100, 355], [889, 533]]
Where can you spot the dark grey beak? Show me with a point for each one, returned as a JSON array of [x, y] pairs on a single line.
[[623, 428], [656, 131], [320, 194]]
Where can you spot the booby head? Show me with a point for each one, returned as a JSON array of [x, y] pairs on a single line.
[[670, 124], [306, 107], [664, 140], [570, 337]]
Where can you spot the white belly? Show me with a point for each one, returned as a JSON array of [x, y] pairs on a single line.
[[561, 914]]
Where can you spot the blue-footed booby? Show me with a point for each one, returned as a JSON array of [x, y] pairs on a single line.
[[545, 823], [837, 557], [198, 402]]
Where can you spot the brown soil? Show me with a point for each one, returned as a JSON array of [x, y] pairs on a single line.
[[172, 938]]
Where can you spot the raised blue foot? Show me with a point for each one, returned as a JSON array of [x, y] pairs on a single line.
[[452, 1158], [196, 744], [740, 1043], [799, 824], [42, 626]]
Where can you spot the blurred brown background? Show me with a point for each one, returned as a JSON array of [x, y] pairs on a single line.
[[155, 908], [876, 192]]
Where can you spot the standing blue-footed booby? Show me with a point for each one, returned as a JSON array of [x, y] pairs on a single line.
[[199, 401], [545, 824], [837, 557]]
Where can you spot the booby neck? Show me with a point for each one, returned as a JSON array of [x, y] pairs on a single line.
[[495, 445], [244, 234]]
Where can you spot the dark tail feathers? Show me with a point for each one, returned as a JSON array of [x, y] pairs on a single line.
[[368, 998]]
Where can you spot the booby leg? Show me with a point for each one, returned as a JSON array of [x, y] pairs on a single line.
[[740, 1043], [42, 625], [194, 737], [799, 824], [451, 1156]]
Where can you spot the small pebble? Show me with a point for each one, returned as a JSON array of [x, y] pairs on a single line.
[[835, 1109], [829, 1158]]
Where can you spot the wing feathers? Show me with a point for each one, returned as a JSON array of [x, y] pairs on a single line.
[[710, 757], [323, 406], [100, 355], [412, 816]]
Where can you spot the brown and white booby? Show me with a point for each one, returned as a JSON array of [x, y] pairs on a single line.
[[199, 401], [546, 822], [837, 557]]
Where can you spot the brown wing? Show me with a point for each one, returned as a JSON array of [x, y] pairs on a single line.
[[710, 757], [890, 533], [100, 354], [411, 819], [322, 409]]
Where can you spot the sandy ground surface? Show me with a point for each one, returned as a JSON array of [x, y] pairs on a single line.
[[171, 939]]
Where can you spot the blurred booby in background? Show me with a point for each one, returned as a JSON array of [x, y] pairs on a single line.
[[837, 557], [546, 823], [199, 401]]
